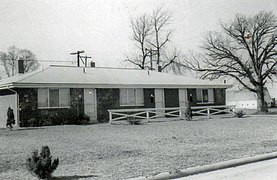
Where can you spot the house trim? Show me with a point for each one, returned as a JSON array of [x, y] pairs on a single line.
[[74, 85]]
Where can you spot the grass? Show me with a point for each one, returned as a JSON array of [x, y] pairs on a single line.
[[107, 151]]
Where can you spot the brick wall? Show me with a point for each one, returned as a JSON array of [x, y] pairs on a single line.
[[171, 97], [28, 108], [220, 96], [106, 99], [149, 102]]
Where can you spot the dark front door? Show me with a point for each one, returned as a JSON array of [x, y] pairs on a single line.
[[149, 98]]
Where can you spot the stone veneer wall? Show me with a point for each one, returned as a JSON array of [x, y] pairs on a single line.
[[106, 99], [28, 107]]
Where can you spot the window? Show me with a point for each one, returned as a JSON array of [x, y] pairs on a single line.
[[53, 98], [205, 95], [131, 97]]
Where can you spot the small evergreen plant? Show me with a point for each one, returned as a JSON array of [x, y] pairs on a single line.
[[42, 165], [239, 113]]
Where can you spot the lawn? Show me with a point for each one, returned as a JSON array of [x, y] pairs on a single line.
[[105, 151]]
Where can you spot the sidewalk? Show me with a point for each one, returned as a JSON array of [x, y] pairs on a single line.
[[265, 170]]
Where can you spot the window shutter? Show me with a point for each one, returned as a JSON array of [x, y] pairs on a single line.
[[123, 96], [139, 97], [53, 97], [211, 95], [199, 95], [205, 95], [64, 97], [131, 97], [42, 97]]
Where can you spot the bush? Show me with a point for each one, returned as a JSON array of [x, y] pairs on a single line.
[[133, 121], [42, 165], [33, 122], [54, 119], [239, 113], [83, 119]]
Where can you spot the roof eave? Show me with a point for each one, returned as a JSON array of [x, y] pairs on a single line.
[[7, 86], [78, 85]]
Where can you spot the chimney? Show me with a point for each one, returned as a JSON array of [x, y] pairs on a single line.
[[20, 66], [159, 68], [92, 64]]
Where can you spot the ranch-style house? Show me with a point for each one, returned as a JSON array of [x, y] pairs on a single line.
[[62, 90]]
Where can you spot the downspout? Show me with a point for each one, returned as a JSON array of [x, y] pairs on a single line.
[[17, 104]]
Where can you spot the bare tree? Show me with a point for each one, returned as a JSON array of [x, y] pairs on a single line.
[[171, 60], [30, 62], [245, 50], [142, 30], [9, 60], [152, 35], [160, 20]]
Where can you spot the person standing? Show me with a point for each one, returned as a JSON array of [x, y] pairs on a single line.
[[10, 120]]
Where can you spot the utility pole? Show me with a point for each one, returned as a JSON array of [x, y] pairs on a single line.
[[86, 59], [150, 51], [78, 56]]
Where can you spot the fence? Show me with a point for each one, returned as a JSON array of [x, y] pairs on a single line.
[[212, 110], [147, 114]]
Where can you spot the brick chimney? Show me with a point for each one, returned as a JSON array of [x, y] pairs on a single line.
[[20, 66], [159, 68], [92, 64]]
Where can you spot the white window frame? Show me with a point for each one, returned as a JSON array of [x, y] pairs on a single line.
[[48, 98], [136, 95], [202, 101]]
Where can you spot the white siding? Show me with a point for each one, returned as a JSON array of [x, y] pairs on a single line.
[[183, 97], [6, 102], [90, 103], [251, 104], [159, 99]]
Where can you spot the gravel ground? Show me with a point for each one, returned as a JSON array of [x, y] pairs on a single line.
[[107, 151]]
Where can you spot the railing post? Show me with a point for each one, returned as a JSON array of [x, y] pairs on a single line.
[[110, 116], [147, 115], [208, 111], [180, 113]]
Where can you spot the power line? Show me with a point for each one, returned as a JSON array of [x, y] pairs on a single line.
[[51, 61], [42, 60]]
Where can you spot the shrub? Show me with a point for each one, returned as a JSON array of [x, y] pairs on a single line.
[[54, 119], [239, 113], [33, 122], [83, 119], [133, 121], [42, 165]]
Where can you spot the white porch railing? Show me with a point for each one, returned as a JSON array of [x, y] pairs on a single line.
[[146, 114], [212, 110]]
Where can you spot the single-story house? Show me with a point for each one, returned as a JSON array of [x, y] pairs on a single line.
[[245, 99], [62, 90]]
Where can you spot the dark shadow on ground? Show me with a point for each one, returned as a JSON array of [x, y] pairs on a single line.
[[28, 128], [75, 177]]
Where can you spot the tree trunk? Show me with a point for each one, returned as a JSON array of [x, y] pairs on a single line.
[[261, 103]]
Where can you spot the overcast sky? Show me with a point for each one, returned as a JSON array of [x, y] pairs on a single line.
[[52, 29]]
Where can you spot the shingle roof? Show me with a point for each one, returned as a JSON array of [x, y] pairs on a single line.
[[245, 95], [66, 76], [240, 95]]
